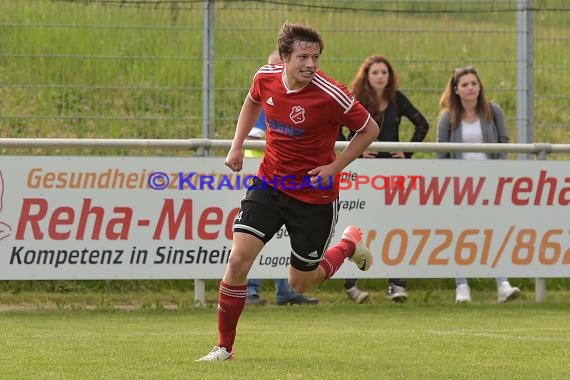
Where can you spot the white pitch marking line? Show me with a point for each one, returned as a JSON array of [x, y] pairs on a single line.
[[502, 336]]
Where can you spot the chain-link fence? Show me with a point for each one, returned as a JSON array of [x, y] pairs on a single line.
[[178, 69]]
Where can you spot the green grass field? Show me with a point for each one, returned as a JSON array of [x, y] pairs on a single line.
[[335, 340]]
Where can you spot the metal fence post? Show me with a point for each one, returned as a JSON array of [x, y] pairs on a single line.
[[540, 283], [207, 107], [200, 292], [524, 74], [208, 71]]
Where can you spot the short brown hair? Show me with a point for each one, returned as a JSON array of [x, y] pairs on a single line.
[[289, 34]]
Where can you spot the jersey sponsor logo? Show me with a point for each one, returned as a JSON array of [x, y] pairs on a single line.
[[297, 114], [270, 101], [284, 129], [314, 254]]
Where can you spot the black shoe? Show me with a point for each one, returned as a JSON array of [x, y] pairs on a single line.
[[255, 300], [299, 300]]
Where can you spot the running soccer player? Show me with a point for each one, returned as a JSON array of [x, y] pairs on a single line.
[[304, 109]]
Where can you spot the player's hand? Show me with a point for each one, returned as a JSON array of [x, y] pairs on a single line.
[[234, 159], [322, 176], [369, 154]]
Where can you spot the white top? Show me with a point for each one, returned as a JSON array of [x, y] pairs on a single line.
[[472, 134]]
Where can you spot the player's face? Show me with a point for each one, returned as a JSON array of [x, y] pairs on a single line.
[[302, 64], [468, 87], [378, 76]]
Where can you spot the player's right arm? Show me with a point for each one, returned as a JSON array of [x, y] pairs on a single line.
[[250, 111]]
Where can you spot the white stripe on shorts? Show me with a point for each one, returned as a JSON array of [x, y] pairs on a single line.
[[255, 231]]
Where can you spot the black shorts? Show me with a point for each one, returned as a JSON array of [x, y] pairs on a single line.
[[264, 210]]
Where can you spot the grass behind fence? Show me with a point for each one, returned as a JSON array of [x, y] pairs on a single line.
[[181, 292]]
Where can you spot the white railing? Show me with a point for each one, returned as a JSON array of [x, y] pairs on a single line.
[[55, 143]]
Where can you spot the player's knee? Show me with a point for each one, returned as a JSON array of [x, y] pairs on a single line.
[[238, 267]]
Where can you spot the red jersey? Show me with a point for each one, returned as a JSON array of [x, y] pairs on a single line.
[[302, 129]]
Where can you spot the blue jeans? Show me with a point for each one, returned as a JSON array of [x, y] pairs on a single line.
[[463, 280], [283, 291]]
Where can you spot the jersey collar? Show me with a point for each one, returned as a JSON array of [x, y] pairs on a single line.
[[287, 88]]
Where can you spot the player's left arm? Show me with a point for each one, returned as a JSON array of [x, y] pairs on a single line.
[[361, 140], [359, 143]]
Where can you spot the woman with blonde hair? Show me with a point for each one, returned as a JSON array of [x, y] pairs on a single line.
[[466, 116]]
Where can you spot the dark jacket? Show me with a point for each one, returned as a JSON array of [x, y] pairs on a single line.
[[389, 122]]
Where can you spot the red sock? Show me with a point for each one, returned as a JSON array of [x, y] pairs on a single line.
[[334, 257], [231, 301]]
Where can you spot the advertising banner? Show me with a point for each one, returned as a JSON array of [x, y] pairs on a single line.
[[171, 218]]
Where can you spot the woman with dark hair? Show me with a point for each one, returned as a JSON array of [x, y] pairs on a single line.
[[376, 87]]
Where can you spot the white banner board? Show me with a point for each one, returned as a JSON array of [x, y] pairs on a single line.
[[99, 218]]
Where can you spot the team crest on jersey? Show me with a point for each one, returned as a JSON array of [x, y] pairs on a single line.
[[297, 114]]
